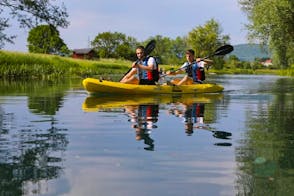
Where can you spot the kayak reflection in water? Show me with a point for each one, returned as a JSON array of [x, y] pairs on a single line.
[[143, 118], [193, 115]]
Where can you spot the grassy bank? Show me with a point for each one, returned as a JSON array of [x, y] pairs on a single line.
[[28, 65], [287, 72]]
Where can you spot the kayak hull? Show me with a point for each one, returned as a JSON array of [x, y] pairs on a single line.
[[96, 86]]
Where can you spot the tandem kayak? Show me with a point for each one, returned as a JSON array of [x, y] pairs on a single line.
[[96, 86]]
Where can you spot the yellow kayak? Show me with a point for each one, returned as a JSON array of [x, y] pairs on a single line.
[[95, 86], [100, 103]]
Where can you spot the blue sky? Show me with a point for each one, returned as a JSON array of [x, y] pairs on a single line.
[[142, 19]]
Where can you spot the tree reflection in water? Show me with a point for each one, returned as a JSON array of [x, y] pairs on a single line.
[[28, 157], [265, 156]]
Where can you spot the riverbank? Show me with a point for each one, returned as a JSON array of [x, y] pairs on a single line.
[[288, 72], [29, 65]]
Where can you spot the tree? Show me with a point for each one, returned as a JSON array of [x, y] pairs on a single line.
[[271, 22], [179, 46], [205, 40], [127, 49], [162, 49], [114, 45], [233, 62], [169, 51], [45, 39], [30, 13], [3, 37]]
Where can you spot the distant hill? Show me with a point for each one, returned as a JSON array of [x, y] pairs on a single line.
[[248, 52]]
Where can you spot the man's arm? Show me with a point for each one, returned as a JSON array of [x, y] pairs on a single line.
[[149, 67]]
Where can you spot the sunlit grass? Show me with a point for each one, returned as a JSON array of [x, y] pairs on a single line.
[[28, 65], [287, 72]]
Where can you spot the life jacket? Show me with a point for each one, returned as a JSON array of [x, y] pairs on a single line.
[[149, 75], [201, 72], [196, 72]]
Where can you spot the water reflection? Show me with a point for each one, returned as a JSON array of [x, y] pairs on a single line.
[[30, 157], [110, 103], [193, 118], [31, 151], [265, 156], [37, 122], [46, 104], [142, 112], [143, 118]]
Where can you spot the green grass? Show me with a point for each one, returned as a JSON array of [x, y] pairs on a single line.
[[287, 72], [28, 65]]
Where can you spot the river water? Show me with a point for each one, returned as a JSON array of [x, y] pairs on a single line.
[[55, 139]]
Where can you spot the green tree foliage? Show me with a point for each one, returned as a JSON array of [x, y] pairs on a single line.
[[206, 39], [272, 23], [162, 49], [114, 45], [30, 13], [233, 62], [169, 51], [179, 46], [45, 39]]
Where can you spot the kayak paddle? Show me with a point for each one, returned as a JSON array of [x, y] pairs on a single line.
[[223, 50]]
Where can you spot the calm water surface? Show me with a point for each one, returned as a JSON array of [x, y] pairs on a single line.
[[57, 140]]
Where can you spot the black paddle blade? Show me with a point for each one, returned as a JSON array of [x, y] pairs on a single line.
[[150, 47], [223, 50]]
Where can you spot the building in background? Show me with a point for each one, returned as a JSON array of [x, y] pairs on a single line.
[[84, 53]]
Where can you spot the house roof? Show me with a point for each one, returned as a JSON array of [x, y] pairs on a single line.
[[83, 50]]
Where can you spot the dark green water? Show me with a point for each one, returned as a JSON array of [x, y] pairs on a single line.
[[56, 140]]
